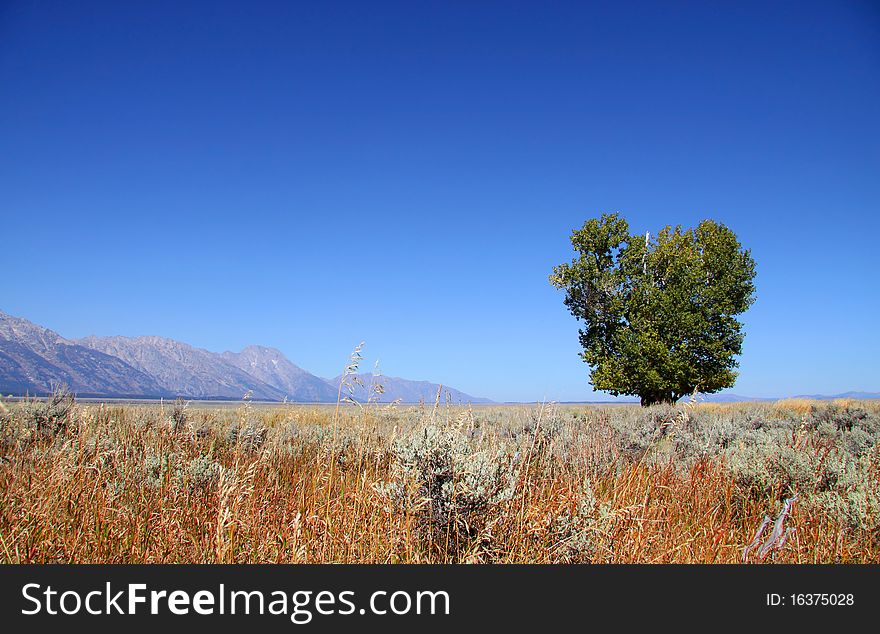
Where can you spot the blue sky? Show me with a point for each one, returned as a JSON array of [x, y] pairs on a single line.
[[308, 176]]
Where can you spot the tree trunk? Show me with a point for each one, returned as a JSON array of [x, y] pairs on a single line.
[[656, 398]]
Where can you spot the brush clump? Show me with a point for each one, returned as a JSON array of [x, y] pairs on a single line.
[[369, 482]]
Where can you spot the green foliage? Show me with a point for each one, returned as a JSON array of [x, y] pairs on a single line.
[[660, 315]]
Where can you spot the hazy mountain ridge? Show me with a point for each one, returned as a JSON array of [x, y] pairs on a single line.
[[405, 390], [852, 395], [33, 359], [736, 398], [183, 369], [274, 369]]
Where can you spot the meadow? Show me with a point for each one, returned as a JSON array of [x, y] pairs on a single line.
[[791, 482]]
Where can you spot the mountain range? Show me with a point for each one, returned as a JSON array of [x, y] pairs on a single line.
[[736, 398], [33, 359], [407, 391]]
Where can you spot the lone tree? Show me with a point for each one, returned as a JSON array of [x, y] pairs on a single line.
[[660, 315]]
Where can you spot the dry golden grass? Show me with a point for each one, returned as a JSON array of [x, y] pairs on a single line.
[[282, 484], [802, 406], [796, 405]]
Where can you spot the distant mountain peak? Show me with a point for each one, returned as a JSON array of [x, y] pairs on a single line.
[[32, 358], [183, 369], [270, 366], [16, 328], [258, 349], [405, 390]]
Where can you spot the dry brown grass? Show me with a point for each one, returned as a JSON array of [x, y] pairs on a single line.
[[119, 484], [795, 405]]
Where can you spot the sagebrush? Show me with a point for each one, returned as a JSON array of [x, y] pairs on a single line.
[[285, 483]]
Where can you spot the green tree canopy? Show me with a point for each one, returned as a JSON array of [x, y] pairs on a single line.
[[659, 313]]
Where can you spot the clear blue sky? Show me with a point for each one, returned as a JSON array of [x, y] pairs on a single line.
[[307, 176]]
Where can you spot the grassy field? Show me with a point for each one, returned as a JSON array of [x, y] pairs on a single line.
[[694, 483]]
